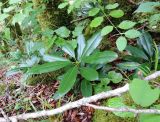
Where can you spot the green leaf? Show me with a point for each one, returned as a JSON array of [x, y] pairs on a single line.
[[53, 58], [94, 11], [86, 88], [98, 88], [62, 5], [128, 65], [96, 22], [89, 73], [117, 102], [18, 18], [92, 44], [136, 52], [149, 118], [142, 94], [115, 77], [101, 57], [116, 13], [14, 1], [154, 19], [126, 24], [7, 33], [81, 46], [48, 67], [121, 43], [9, 9], [112, 6], [106, 30], [63, 32], [3, 16], [148, 7], [68, 49], [132, 34], [145, 41], [67, 82]]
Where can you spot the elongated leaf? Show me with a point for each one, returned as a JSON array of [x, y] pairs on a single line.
[[69, 50], [96, 22], [67, 82], [14, 1], [48, 67], [106, 30], [128, 65], [86, 88], [3, 16], [52, 58], [94, 11], [145, 42], [81, 46], [112, 6], [136, 52], [149, 118], [100, 57], [92, 44], [139, 89], [89, 73]]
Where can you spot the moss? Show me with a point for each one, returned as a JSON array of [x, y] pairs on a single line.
[[2, 88], [103, 116]]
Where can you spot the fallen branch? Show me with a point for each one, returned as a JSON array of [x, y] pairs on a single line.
[[70, 105], [82, 102], [126, 109]]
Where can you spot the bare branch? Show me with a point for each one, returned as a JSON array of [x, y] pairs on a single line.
[[136, 111], [152, 76]]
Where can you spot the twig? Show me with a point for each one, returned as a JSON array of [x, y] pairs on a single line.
[[79, 19], [84, 102], [153, 76], [4, 115], [125, 109]]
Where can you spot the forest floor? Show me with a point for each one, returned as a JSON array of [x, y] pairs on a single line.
[[14, 101]]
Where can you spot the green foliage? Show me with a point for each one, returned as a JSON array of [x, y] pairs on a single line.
[[141, 89]]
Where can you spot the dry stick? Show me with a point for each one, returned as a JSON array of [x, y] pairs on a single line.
[[125, 109], [4, 115], [78, 103]]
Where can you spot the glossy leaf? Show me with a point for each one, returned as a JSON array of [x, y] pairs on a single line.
[[101, 57], [106, 30], [121, 43], [81, 46], [145, 41], [48, 67], [67, 82], [86, 88], [126, 24], [92, 44], [132, 34], [68, 49], [96, 22], [116, 13], [136, 52], [147, 7], [53, 58], [139, 89], [89, 73]]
